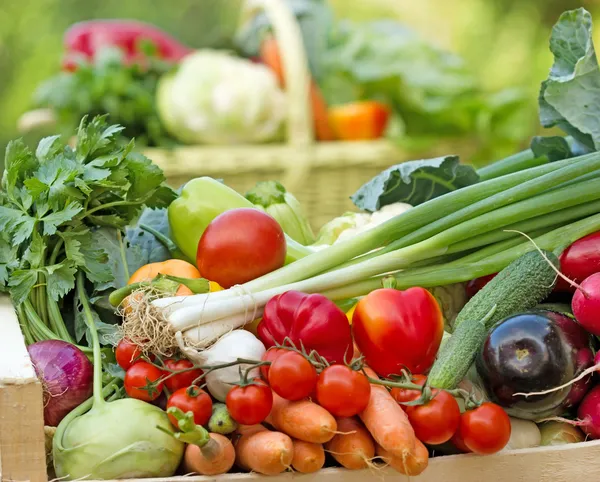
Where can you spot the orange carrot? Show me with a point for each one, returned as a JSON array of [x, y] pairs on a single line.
[[308, 457], [216, 457], [303, 420], [353, 447], [269, 55], [387, 422], [413, 464], [260, 450]]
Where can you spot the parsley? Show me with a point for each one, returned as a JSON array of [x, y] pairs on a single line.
[[58, 205]]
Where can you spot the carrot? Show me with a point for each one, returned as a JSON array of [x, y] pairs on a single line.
[[269, 55], [308, 457], [413, 464], [260, 450], [302, 419], [387, 422], [353, 447], [216, 457]]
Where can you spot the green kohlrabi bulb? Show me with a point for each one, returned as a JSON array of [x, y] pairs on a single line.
[[116, 440]]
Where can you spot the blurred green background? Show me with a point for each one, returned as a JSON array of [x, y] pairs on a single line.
[[505, 42]]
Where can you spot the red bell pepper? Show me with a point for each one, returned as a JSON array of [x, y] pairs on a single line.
[[397, 330], [83, 40], [310, 321]]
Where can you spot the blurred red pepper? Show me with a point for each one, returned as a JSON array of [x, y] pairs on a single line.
[[84, 39], [310, 321], [397, 330], [359, 121]]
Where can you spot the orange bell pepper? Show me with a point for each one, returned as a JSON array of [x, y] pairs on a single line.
[[364, 120], [171, 267]]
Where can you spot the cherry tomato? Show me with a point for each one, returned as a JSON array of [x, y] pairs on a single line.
[[435, 421], [240, 245], [270, 355], [477, 284], [251, 404], [459, 443], [343, 392], [127, 353], [486, 429], [292, 376], [191, 399], [181, 380], [139, 381], [406, 394]]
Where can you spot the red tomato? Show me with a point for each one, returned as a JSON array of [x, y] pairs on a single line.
[[251, 404], [191, 399], [343, 392], [292, 376], [126, 353], [270, 355], [579, 261], [406, 394], [240, 245], [477, 284], [436, 421], [139, 381], [181, 380], [459, 443], [398, 329], [485, 430]]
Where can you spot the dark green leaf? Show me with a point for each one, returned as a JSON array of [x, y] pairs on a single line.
[[48, 147], [94, 136], [21, 283], [555, 148], [162, 198], [123, 260], [8, 259], [35, 251], [115, 371], [60, 279], [414, 182], [19, 162], [570, 97], [143, 175], [57, 218], [151, 249], [107, 333]]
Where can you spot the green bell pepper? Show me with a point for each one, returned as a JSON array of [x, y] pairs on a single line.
[[202, 200]]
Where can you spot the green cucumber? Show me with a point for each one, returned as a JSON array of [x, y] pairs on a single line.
[[459, 352], [519, 287]]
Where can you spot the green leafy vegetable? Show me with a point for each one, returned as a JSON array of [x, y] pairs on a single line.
[[414, 182], [62, 212], [109, 85], [151, 249], [569, 98], [554, 148]]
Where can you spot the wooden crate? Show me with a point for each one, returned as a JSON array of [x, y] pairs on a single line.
[[23, 458]]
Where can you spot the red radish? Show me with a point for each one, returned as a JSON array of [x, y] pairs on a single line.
[[240, 245], [477, 284], [586, 304], [584, 359], [579, 261], [589, 413]]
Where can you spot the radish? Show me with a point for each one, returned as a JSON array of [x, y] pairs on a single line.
[[589, 413], [586, 304], [580, 260]]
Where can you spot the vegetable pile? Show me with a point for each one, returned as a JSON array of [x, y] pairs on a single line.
[[207, 331]]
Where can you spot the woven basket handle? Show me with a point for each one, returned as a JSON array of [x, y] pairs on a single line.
[[295, 68]]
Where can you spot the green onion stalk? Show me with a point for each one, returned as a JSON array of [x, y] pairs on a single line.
[[542, 200]]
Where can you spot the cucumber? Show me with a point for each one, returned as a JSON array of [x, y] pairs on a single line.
[[459, 352], [519, 287]]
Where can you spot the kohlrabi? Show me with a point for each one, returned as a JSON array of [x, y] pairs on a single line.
[[113, 440]]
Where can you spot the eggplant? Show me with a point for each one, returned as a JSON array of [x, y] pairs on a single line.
[[532, 352]]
